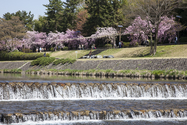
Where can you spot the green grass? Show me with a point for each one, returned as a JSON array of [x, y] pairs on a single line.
[[109, 52], [12, 70], [70, 54], [135, 52]]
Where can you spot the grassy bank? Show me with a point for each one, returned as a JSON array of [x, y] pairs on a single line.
[[135, 52]]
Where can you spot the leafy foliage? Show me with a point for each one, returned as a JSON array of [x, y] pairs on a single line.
[[11, 32], [54, 8], [26, 18], [103, 13], [12, 70], [69, 14], [19, 56], [108, 46], [43, 61], [81, 19]]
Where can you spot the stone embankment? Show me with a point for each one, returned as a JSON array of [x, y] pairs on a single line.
[[115, 65], [132, 64]]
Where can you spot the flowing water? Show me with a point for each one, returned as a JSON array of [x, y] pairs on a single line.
[[31, 100]]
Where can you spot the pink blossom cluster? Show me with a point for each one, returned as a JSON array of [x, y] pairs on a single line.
[[140, 30], [58, 39], [107, 33]]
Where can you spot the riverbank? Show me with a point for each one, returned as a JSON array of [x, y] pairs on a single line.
[[112, 64], [169, 68]]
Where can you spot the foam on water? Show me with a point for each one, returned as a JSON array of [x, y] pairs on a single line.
[[59, 122]]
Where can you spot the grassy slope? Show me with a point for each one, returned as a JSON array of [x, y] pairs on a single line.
[[69, 54], [136, 52]]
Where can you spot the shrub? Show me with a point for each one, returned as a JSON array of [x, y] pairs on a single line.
[[12, 70], [64, 61], [108, 46], [65, 48], [126, 44], [19, 56], [108, 70], [158, 72], [52, 49], [43, 61]]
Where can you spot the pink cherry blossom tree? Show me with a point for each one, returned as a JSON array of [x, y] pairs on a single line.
[[34, 39], [106, 33], [141, 29], [56, 39], [74, 38]]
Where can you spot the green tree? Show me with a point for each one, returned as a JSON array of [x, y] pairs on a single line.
[[27, 18], [103, 13], [11, 32], [68, 19], [40, 24], [54, 8]]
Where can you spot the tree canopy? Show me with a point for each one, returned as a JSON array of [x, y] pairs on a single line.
[[54, 8], [26, 18], [153, 12], [103, 13], [11, 32], [153, 19]]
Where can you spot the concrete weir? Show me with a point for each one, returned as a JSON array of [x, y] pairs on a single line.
[[36, 90], [91, 115], [24, 101]]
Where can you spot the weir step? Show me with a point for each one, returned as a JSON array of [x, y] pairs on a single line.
[[52, 90], [91, 115]]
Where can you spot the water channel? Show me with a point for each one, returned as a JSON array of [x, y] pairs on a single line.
[[66, 100]]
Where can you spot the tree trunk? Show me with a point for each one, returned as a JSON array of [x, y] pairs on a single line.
[[156, 40], [151, 44]]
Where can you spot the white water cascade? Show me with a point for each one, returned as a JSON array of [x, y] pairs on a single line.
[[24, 91], [94, 115]]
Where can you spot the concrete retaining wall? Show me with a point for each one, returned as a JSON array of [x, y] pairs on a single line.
[[141, 64]]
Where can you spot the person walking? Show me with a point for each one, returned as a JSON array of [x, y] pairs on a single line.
[[119, 44], [176, 39], [80, 46], [40, 49]]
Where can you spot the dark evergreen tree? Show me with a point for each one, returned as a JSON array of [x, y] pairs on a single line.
[[54, 8], [26, 18], [68, 17], [103, 13], [41, 24]]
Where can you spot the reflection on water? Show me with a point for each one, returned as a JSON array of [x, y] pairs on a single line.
[[80, 78]]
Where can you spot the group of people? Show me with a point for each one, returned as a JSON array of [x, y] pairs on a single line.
[[40, 49], [81, 46]]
